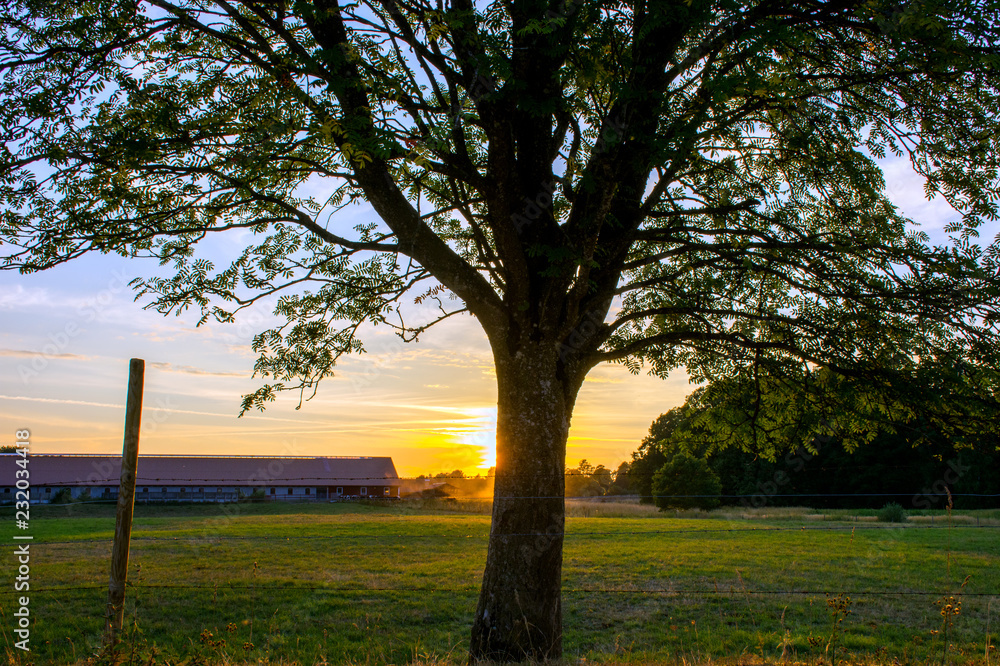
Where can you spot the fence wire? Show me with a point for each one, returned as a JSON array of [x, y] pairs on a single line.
[[374, 586], [475, 590]]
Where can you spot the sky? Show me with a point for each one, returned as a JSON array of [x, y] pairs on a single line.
[[66, 337]]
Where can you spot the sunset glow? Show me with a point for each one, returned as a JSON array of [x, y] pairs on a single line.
[[430, 405], [482, 435], [67, 334]]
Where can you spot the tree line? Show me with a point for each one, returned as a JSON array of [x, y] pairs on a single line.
[[918, 468]]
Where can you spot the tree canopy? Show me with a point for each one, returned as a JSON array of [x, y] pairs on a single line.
[[680, 184], [709, 164], [586, 480], [916, 461], [686, 482]]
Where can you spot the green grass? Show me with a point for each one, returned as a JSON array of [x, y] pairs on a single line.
[[398, 584]]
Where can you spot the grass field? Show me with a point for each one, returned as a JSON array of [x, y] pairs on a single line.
[[342, 583]]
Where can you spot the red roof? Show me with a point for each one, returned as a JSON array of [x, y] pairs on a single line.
[[96, 470]]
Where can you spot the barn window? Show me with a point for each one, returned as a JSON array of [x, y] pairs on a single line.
[[107, 491], [340, 490], [289, 491], [308, 491], [145, 490], [183, 490], [364, 491], [48, 490], [386, 491], [272, 491]]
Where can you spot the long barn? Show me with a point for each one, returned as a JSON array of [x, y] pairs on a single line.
[[204, 478]]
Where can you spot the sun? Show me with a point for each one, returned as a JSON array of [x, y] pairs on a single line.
[[480, 433]]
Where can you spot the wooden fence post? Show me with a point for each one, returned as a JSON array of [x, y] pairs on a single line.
[[115, 613]]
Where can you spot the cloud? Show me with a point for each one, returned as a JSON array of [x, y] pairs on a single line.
[[461, 411], [450, 359], [61, 401], [67, 298], [18, 297], [192, 370], [597, 378], [905, 188], [26, 353], [164, 367], [162, 407]]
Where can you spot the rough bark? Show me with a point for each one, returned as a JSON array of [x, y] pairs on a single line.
[[519, 616]]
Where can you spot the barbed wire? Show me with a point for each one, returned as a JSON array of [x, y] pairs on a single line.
[[729, 590], [278, 481], [485, 535], [606, 499]]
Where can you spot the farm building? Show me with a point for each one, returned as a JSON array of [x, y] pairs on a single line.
[[204, 478]]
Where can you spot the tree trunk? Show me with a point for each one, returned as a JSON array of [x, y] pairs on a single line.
[[519, 616]]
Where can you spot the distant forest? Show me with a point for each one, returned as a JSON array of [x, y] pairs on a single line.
[[918, 472]]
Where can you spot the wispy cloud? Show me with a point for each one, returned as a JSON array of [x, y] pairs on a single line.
[[450, 359], [27, 353], [161, 366], [61, 401], [20, 297], [192, 370], [171, 410], [599, 379]]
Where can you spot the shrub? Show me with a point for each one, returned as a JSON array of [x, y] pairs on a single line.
[[892, 513], [256, 496], [685, 475], [578, 485], [62, 496]]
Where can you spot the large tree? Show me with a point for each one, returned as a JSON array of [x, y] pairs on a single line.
[[680, 183]]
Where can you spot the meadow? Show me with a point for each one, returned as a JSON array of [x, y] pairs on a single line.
[[375, 584]]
